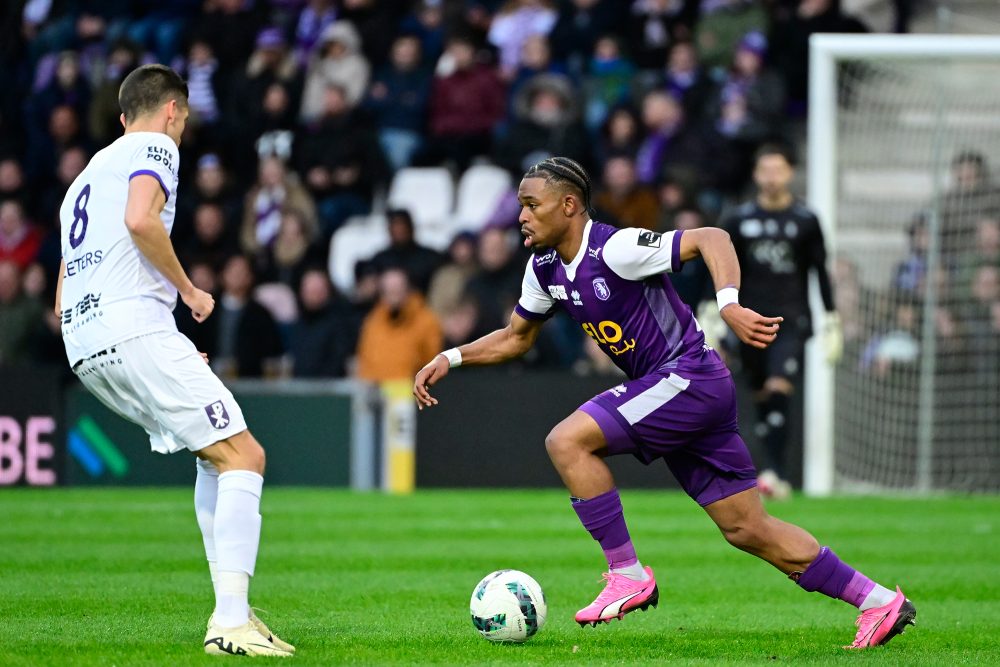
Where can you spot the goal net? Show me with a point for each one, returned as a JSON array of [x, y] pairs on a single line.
[[904, 147]]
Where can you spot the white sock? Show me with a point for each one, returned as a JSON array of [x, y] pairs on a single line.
[[879, 597], [633, 572], [237, 536], [206, 491]]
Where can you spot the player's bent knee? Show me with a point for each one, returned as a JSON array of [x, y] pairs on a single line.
[[560, 445]]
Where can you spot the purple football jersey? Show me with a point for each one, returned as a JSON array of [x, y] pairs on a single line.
[[616, 288]]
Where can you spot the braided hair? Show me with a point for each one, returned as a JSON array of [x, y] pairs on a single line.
[[562, 170]]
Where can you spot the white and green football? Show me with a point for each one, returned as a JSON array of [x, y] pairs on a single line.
[[508, 606]]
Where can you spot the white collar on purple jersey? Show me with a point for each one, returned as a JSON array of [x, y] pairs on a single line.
[[580, 254]]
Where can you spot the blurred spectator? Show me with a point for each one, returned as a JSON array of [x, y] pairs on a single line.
[[247, 334], [341, 160], [790, 32], [693, 282], [276, 189], [685, 78], [426, 23], [909, 274], [608, 82], [211, 243], [103, 122], [513, 24], [465, 105], [204, 335], [324, 338], [668, 144], [375, 21], [365, 292], [211, 185], [315, 18], [71, 162], [578, 27], [399, 335], [971, 197], [236, 20], [654, 25], [547, 122], [760, 93], [207, 85], [536, 58], [674, 196], [985, 252], [12, 184], [621, 200], [20, 315], [63, 131], [338, 62], [68, 87], [722, 24], [899, 346], [448, 285], [497, 285], [264, 104], [982, 320], [294, 248], [19, 239], [399, 96], [405, 253], [621, 134]]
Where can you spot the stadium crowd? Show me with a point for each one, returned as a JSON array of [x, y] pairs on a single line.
[[302, 112]]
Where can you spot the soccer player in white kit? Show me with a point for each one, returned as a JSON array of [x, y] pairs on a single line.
[[118, 284]]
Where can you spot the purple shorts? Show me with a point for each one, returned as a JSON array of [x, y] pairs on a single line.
[[689, 421]]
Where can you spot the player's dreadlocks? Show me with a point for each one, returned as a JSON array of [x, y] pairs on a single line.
[[560, 170]]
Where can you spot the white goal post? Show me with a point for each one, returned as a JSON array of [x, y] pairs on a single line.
[[941, 123]]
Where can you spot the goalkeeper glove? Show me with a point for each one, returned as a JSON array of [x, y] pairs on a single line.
[[833, 338]]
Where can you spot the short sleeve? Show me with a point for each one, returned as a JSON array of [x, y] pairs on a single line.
[[535, 303], [636, 254], [156, 157]]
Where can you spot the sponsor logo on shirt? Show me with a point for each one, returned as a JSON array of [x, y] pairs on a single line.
[[161, 155], [558, 292], [610, 334], [84, 311], [594, 252], [649, 239], [601, 289], [547, 258]]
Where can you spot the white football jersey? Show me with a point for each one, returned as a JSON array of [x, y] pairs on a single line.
[[110, 291]]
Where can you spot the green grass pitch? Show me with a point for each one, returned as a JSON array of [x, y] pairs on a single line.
[[117, 577]]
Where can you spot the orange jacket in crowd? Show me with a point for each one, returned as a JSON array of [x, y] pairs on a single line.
[[396, 348]]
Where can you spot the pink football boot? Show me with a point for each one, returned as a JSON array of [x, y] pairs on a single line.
[[620, 596], [880, 624]]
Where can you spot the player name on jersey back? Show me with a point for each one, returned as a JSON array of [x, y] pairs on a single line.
[[110, 291]]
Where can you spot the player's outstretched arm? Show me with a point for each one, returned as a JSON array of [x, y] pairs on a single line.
[[59, 282], [715, 246], [502, 345], [142, 217]]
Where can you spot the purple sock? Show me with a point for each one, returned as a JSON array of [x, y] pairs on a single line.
[[602, 516], [831, 576]]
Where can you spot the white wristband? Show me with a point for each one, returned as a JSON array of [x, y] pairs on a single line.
[[726, 296], [453, 356]]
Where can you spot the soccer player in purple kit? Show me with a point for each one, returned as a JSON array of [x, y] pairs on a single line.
[[679, 403]]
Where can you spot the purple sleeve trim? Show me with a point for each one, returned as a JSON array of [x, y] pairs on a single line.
[[150, 172], [528, 315], [675, 253]]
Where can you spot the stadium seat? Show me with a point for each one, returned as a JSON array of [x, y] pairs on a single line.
[[479, 190], [279, 299], [357, 239], [428, 193]]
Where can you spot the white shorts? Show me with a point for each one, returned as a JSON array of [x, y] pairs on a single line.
[[160, 382]]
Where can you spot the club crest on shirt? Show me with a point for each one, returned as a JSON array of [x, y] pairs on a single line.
[[649, 239], [601, 289], [218, 415]]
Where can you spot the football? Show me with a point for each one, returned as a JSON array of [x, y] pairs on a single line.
[[508, 606]]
